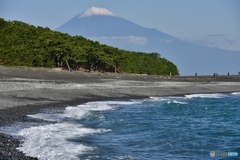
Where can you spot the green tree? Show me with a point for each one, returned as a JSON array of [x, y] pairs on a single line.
[[26, 45]]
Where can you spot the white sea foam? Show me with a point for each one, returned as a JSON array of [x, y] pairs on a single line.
[[158, 99], [169, 100], [179, 102], [217, 95], [76, 112], [56, 141], [83, 110], [51, 141], [236, 93]]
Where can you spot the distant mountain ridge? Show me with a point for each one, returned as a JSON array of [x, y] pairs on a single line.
[[107, 28]]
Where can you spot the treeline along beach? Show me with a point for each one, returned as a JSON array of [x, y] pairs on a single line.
[[22, 44]]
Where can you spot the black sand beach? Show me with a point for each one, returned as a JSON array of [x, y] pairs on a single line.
[[26, 91]]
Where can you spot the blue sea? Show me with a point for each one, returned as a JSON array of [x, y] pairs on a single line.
[[154, 128]]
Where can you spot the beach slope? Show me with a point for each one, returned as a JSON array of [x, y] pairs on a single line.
[[26, 91]]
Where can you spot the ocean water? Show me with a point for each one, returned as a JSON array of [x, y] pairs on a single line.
[[154, 128]]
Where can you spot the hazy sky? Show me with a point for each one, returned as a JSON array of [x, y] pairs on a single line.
[[188, 19]]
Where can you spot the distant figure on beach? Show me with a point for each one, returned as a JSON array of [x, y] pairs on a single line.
[[195, 74], [228, 74]]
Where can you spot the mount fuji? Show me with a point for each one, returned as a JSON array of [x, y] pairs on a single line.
[[99, 24]]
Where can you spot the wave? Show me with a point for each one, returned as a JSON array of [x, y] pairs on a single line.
[[217, 95], [55, 141], [85, 109], [158, 99], [52, 141], [179, 102], [176, 102], [236, 93], [169, 100]]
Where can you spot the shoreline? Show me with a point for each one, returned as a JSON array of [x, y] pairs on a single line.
[[25, 91]]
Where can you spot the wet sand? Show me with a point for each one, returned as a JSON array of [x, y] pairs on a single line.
[[26, 91]]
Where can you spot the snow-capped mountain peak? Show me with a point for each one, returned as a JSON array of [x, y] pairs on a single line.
[[94, 11]]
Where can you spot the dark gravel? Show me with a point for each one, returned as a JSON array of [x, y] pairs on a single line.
[[8, 151]]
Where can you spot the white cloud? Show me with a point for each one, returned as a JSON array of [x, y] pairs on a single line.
[[137, 40], [216, 40]]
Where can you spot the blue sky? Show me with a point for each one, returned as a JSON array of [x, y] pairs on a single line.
[[199, 21]]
